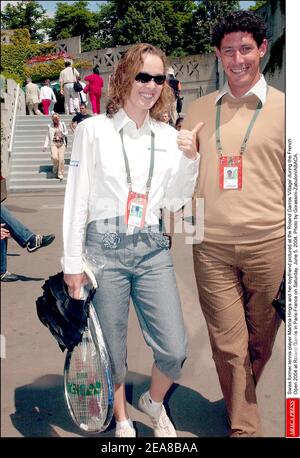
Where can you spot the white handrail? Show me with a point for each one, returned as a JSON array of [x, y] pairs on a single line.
[[12, 132]]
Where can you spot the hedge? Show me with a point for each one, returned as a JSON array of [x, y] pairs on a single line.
[[51, 70]]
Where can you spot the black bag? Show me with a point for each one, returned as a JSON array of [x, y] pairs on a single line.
[[77, 86], [279, 301], [65, 317]]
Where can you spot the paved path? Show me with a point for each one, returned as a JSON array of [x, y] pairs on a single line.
[[32, 393]]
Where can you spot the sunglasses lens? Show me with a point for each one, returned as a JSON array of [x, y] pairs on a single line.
[[159, 79], [145, 78]]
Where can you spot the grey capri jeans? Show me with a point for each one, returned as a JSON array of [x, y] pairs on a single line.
[[140, 268]]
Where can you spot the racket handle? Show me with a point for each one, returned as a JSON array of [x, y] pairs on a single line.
[[90, 276]]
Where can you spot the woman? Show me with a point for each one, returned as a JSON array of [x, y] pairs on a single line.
[[94, 88], [125, 167], [47, 96], [56, 136]]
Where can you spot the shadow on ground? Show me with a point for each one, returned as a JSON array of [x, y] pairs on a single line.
[[40, 407]]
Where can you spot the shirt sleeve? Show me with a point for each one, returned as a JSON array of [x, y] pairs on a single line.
[[182, 177], [76, 200]]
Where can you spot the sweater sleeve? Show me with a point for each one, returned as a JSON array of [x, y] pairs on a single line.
[[182, 178]]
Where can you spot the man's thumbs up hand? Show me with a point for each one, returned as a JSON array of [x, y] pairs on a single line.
[[187, 140]]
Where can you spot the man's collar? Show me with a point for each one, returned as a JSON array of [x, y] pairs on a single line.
[[259, 89], [121, 119]]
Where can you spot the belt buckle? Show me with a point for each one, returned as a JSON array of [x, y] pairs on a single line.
[[111, 240]]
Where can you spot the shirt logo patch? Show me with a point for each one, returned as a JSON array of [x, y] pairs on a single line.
[[74, 163]]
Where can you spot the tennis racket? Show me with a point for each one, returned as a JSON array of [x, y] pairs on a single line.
[[88, 384]]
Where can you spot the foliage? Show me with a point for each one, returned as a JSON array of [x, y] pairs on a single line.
[[13, 76], [26, 14], [258, 4], [204, 19], [21, 37], [71, 20], [48, 58], [40, 71], [179, 27], [276, 55], [13, 57]]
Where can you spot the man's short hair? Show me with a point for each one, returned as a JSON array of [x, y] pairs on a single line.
[[68, 63], [82, 104], [239, 21]]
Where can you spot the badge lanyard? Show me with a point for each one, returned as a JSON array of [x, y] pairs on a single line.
[[137, 203], [230, 167]]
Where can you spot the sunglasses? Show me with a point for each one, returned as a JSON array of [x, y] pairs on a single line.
[[146, 77]]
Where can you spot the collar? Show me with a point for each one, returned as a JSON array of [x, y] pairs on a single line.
[[259, 89], [121, 119]]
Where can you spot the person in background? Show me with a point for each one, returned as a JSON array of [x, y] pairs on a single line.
[[95, 85], [178, 123], [32, 97], [117, 185], [239, 265], [56, 139], [67, 78], [165, 117], [174, 83], [12, 227], [47, 96], [82, 94], [83, 114]]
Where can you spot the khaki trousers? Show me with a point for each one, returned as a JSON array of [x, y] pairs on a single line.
[[236, 285], [58, 159]]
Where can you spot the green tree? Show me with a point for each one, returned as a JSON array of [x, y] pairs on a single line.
[[25, 15], [179, 27], [258, 4], [160, 23], [73, 19], [198, 33]]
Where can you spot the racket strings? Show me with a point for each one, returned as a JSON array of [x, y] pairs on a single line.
[[87, 385]]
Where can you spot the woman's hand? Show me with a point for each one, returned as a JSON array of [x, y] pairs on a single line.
[[187, 141], [74, 283]]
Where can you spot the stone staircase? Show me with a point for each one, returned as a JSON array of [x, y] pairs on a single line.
[[30, 167]]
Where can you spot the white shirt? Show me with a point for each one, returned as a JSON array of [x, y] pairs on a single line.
[[97, 186], [47, 93], [68, 75], [51, 131], [259, 89]]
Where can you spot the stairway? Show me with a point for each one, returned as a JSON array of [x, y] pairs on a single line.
[[30, 167]]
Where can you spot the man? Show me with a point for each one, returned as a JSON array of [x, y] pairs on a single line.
[[79, 116], [32, 97], [240, 264], [67, 78], [12, 227]]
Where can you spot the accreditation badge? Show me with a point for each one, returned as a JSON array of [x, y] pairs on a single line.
[[230, 172], [136, 209]]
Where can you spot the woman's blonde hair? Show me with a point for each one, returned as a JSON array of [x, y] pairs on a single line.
[[122, 80]]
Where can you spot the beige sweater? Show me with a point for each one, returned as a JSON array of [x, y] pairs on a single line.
[[256, 212]]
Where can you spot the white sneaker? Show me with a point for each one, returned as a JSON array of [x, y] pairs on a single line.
[[126, 431], [162, 425]]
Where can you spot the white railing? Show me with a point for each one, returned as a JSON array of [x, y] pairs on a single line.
[[13, 124]]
